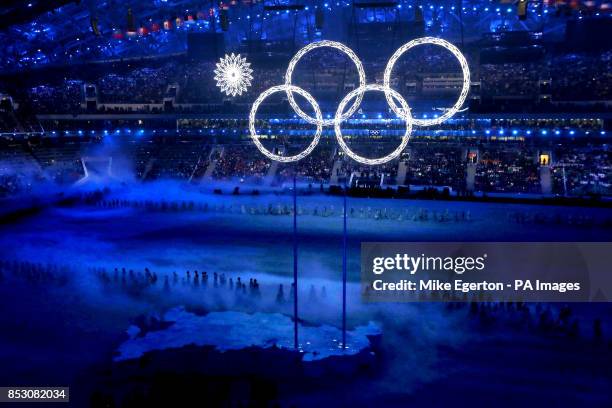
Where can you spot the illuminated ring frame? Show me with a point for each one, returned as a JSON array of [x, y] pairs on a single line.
[[289, 89], [359, 93], [464, 68], [296, 58]]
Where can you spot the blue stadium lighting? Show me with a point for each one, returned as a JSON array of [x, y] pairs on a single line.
[[488, 132], [529, 132], [603, 132], [106, 132], [515, 132], [509, 10], [572, 132], [544, 132], [80, 132], [473, 132], [501, 131], [557, 132]]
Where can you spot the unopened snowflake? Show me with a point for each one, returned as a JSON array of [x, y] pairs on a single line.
[[233, 74]]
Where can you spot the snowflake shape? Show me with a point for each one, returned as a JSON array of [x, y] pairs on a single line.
[[233, 74]]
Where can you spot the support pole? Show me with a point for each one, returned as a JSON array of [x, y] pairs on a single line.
[[295, 265], [344, 273]]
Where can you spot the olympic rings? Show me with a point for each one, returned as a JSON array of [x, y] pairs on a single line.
[[254, 136], [407, 117], [402, 111], [320, 44], [464, 68]]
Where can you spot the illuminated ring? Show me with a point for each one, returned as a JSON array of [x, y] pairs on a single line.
[[464, 68], [407, 117], [296, 58], [289, 89]]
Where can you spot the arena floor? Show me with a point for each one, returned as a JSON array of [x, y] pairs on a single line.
[[79, 326]]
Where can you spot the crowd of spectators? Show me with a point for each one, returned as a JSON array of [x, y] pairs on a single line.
[[65, 97], [315, 168], [434, 164], [580, 168], [142, 85], [583, 170], [240, 161], [329, 76], [571, 77], [501, 169]]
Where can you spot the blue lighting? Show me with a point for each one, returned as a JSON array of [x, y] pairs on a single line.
[[514, 132], [544, 132], [557, 132], [571, 132], [488, 132]]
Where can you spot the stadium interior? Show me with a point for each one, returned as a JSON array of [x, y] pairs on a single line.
[[124, 170]]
